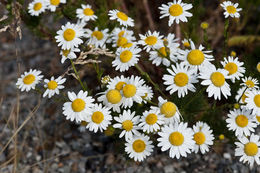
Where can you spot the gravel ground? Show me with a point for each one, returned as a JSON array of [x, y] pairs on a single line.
[[49, 143]]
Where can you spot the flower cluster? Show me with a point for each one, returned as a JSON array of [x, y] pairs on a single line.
[[189, 67]]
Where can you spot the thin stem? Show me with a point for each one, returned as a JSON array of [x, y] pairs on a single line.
[[242, 94], [152, 103], [77, 75], [226, 36], [198, 93], [146, 75], [205, 38]]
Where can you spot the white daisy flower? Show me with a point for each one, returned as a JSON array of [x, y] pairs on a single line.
[[69, 36], [239, 121], [99, 118], [133, 91], [117, 83], [177, 138], [151, 121], [128, 123], [79, 106], [234, 67], [68, 54], [151, 40], [160, 56], [53, 86], [125, 58], [148, 93], [121, 17], [249, 82], [181, 79], [111, 98], [195, 58], [97, 37], [176, 10], [122, 37], [216, 81], [253, 101], [203, 137], [37, 7], [29, 80], [186, 43], [231, 9], [53, 4], [248, 149], [169, 110], [85, 13], [139, 147], [256, 119]]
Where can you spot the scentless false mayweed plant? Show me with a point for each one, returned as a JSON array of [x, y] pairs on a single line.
[[197, 96]]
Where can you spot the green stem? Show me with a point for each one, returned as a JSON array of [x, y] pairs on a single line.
[[242, 94], [198, 93], [146, 75], [152, 103], [205, 37], [77, 75], [226, 36]]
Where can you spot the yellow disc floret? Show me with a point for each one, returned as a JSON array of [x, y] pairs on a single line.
[[168, 109], [199, 138], [69, 34], [241, 120], [127, 125], [78, 105], [257, 118], [121, 41], [251, 149], [151, 119], [181, 79], [65, 52], [231, 9], [162, 52], [139, 145], [119, 86], [217, 79], [97, 117], [231, 68], [113, 96], [195, 57], [126, 56], [98, 34], [150, 40], [176, 138], [52, 85], [250, 84], [257, 100], [175, 10], [122, 16], [29, 79], [37, 6], [55, 2], [88, 11], [129, 90]]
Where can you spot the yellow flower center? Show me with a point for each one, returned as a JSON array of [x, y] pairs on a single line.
[[55, 2], [241, 120], [127, 45], [186, 44], [83, 123], [162, 52], [258, 67], [139, 145], [113, 96], [65, 52], [52, 85], [122, 16], [120, 85], [250, 84], [126, 56], [69, 34], [258, 118], [121, 41], [221, 137], [176, 138], [231, 9], [151, 40], [243, 98], [168, 109], [151, 119], [175, 10], [37, 6], [29, 79], [97, 117], [195, 57], [217, 79], [231, 68], [257, 100], [129, 90], [233, 53], [98, 34], [199, 138], [121, 33], [251, 149], [78, 105], [181, 79], [88, 11], [204, 25], [127, 125]]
